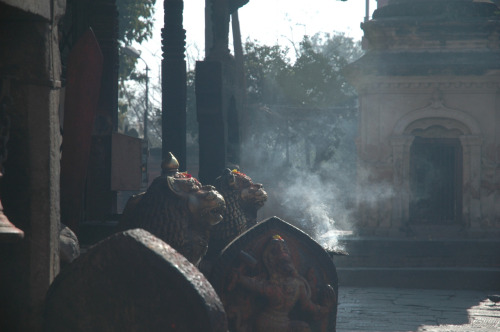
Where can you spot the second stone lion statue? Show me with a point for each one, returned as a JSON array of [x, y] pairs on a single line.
[[243, 198], [178, 210]]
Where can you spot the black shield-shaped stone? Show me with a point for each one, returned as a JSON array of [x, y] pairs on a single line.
[[132, 281], [244, 254]]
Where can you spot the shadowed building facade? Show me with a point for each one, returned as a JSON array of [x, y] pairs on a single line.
[[429, 137], [36, 38]]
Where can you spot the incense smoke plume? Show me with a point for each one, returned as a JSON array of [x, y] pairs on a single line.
[[319, 198]]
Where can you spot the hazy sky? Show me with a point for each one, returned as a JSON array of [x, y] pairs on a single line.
[[268, 21]]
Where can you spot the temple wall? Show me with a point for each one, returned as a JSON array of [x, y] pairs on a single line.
[[383, 145], [430, 72]]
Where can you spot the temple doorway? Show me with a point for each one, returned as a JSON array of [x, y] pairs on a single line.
[[435, 181]]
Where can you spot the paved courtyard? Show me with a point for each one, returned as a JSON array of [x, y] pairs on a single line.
[[391, 309]]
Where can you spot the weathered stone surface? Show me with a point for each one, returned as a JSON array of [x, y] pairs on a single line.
[[31, 78], [429, 82], [69, 246], [38, 7], [250, 287], [243, 199], [178, 210], [132, 281]]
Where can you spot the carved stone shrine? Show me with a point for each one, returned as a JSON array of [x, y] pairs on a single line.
[[429, 128], [274, 277]]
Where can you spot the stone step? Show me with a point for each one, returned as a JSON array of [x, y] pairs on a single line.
[[424, 278], [417, 253]]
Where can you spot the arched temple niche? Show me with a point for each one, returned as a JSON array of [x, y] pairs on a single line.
[[437, 168]]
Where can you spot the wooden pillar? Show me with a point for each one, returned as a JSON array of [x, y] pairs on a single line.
[[174, 82]]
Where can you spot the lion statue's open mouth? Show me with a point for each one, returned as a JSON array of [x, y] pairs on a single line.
[[254, 196], [212, 206], [216, 214]]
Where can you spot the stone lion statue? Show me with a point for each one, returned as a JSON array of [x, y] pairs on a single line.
[[243, 199], [177, 209]]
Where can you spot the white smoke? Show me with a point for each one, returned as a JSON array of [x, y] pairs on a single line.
[[313, 203], [319, 200]]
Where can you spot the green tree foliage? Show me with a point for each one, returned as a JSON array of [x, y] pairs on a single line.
[[301, 125], [298, 110], [264, 66], [337, 47], [136, 20], [314, 79], [135, 26]]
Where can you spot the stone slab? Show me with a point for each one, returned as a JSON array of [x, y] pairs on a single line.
[[132, 281]]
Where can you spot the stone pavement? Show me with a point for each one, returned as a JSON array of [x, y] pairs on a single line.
[[398, 309]]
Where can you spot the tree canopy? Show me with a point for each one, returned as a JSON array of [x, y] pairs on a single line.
[[298, 110], [314, 79], [135, 26], [300, 125], [136, 20]]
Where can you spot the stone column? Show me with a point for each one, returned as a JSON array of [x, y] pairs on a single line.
[[100, 199], [471, 208], [210, 106], [30, 69], [217, 17], [401, 180], [214, 82], [174, 82]]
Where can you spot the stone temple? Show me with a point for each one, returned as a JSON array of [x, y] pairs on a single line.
[[429, 128]]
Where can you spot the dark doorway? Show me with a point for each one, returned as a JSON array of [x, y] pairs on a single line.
[[435, 181]]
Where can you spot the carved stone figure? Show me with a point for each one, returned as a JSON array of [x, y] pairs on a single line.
[[283, 288], [69, 246], [243, 199], [178, 210], [274, 277]]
